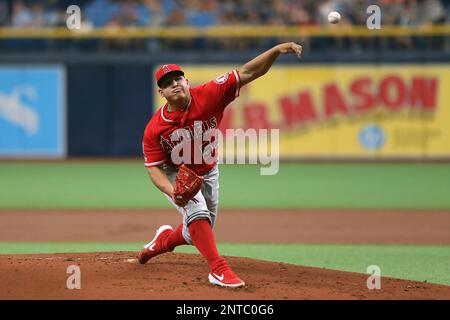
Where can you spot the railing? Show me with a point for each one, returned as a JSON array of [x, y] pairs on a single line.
[[235, 31]]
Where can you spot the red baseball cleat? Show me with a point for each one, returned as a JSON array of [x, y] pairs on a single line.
[[222, 275], [155, 247]]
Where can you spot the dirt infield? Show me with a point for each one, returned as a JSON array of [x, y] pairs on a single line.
[[233, 226], [184, 276]]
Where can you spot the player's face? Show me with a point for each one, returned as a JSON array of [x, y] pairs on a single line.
[[174, 87]]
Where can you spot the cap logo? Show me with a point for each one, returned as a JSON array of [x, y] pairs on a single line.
[[166, 69]]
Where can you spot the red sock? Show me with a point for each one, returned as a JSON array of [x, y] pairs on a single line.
[[175, 239], [203, 239]]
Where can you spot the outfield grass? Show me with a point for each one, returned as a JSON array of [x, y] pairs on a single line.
[[126, 185], [420, 263]]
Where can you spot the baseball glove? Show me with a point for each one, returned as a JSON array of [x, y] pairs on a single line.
[[187, 184]]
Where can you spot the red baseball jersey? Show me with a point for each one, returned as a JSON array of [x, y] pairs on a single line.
[[204, 113]]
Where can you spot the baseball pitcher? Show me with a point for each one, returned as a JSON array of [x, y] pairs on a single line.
[[191, 183]]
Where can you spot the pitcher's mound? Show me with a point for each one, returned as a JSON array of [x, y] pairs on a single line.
[[118, 275]]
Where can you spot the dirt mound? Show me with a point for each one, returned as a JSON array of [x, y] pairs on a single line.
[[175, 276]]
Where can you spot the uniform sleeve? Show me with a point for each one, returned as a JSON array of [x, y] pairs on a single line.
[[153, 153], [224, 89]]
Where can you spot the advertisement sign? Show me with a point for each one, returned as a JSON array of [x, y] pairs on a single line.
[[32, 111], [345, 111]]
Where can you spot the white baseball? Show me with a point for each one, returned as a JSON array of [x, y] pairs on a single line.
[[334, 17]]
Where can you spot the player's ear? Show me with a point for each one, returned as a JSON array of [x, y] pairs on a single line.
[[161, 92]]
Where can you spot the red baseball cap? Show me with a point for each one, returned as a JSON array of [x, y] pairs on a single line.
[[166, 69]]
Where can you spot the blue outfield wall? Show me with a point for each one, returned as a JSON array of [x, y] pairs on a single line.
[[108, 108]]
